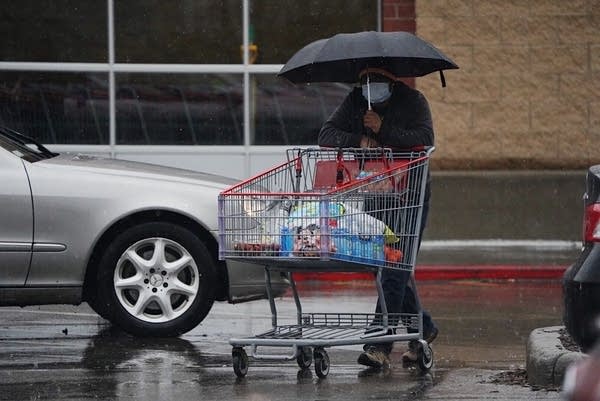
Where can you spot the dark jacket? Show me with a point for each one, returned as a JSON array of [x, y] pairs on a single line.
[[406, 121]]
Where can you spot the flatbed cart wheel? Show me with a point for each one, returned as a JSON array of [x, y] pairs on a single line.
[[304, 358], [425, 357], [240, 361], [321, 362]]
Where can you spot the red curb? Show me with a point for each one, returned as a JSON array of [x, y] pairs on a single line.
[[451, 272]]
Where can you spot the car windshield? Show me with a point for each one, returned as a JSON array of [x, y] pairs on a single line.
[[22, 146]]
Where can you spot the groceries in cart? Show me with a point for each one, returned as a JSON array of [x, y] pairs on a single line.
[[304, 208], [350, 234], [301, 233], [375, 182], [312, 228], [249, 249], [257, 226]]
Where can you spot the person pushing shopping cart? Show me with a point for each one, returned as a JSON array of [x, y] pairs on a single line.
[[385, 112]]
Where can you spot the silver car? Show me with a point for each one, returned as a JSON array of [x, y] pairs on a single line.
[[137, 241]]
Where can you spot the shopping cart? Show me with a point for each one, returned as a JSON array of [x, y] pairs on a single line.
[[328, 210]]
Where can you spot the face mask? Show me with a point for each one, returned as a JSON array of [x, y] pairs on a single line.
[[380, 92]]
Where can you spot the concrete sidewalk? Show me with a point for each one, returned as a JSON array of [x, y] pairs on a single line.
[[479, 259], [451, 272], [547, 358]]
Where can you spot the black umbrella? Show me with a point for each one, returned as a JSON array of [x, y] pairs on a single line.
[[341, 57]]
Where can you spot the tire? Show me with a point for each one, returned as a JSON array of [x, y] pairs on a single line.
[[425, 357], [321, 362], [581, 305], [240, 361], [304, 358], [99, 308], [156, 294]]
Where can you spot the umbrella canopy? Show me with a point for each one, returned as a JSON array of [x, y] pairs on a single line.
[[341, 57]]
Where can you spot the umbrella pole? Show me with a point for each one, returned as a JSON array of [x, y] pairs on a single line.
[[369, 106], [369, 91]]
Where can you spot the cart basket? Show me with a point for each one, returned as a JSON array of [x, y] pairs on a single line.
[[328, 209]]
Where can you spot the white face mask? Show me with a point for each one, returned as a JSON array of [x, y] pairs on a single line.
[[380, 92]]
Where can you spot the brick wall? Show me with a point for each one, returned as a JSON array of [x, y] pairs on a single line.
[[399, 15], [527, 94]]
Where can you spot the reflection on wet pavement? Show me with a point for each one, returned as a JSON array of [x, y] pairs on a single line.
[[69, 353]]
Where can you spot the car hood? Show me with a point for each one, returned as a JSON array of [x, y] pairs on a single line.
[[124, 168]]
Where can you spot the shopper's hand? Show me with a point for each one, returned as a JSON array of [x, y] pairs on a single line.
[[367, 142], [372, 120]]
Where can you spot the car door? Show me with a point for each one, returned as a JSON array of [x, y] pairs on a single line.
[[16, 220]]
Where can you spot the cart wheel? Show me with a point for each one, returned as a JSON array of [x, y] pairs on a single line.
[[304, 358], [240, 361], [321, 362], [425, 357]]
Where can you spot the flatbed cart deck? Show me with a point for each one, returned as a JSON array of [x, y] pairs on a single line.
[[324, 210]]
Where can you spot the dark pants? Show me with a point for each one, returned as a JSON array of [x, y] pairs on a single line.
[[399, 296]]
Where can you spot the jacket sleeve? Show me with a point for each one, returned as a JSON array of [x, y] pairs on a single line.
[[337, 130], [417, 132]]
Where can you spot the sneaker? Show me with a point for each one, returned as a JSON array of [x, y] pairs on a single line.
[[374, 358], [410, 357]]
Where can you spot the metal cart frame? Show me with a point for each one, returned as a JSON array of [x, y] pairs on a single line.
[[294, 182]]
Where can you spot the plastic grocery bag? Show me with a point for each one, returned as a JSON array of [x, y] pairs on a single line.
[[362, 238], [352, 231], [310, 212], [363, 224]]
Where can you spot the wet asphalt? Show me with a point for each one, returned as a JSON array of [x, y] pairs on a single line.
[[69, 353]]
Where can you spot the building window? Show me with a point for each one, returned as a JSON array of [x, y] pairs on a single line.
[[184, 109], [67, 100], [54, 31], [184, 31], [280, 28], [289, 114], [56, 108], [286, 114]]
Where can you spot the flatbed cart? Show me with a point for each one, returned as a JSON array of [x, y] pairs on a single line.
[[328, 210]]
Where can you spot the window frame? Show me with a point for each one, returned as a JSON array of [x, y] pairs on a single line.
[[246, 69]]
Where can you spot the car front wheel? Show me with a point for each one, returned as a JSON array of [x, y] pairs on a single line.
[[156, 279]]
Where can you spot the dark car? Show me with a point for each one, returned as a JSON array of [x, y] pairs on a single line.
[[581, 281]]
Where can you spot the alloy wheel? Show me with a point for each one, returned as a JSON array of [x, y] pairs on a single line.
[[156, 280]]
